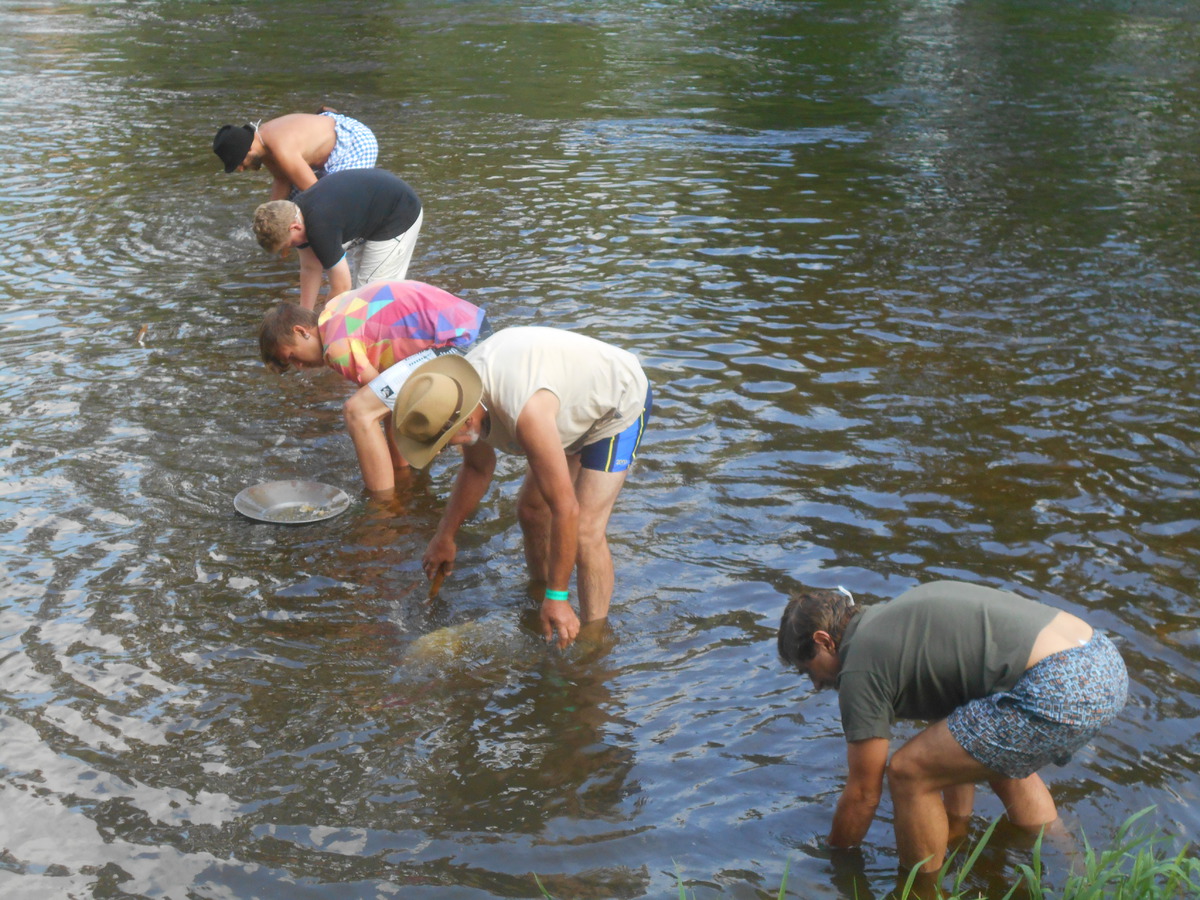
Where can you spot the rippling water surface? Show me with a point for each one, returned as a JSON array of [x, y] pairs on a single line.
[[916, 286]]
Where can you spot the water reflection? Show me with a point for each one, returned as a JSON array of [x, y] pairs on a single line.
[[913, 283], [477, 732]]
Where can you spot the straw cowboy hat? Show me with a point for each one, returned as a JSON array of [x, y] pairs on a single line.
[[432, 405]]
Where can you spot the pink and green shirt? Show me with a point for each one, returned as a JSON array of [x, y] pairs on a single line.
[[381, 323]]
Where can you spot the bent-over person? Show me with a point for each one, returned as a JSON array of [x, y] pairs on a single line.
[[367, 208], [375, 337], [1010, 685], [575, 409], [297, 149]]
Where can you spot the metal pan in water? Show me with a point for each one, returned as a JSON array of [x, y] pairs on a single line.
[[291, 502]]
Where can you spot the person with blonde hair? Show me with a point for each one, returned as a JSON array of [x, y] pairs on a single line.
[[370, 209]]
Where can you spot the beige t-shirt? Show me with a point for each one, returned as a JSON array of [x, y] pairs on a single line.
[[601, 389]]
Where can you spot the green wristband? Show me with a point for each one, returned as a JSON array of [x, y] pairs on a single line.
[[562, 596]]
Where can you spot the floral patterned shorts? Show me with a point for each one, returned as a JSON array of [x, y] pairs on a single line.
[[1055, 708]]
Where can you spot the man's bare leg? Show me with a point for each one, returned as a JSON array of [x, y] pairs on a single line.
[[1027, 801], [959, 800], [918, 773], [596, 493]]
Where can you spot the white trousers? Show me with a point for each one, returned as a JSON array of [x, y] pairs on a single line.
[[387, 260]]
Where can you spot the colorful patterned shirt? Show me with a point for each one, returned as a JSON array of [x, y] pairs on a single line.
[[381, 323]]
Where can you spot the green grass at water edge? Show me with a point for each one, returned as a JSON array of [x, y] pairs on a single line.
[[1135, 867]]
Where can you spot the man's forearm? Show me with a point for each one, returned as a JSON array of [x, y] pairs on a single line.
[[867, 762], [374, 455], [310, 283], [290, 168], [340, 279], [564, 544], [852, 819]]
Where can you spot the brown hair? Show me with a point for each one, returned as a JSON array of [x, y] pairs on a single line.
[[276, 332], [809, 611]]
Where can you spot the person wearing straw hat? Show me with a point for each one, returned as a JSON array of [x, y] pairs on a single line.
[[1010, 685], [575, 408]]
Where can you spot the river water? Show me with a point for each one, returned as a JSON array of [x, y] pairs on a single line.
[[914, 280]]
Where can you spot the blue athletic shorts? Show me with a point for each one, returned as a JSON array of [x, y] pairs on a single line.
[[1055, 708], [617, 453]]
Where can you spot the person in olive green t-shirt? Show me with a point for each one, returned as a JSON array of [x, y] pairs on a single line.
[[1010, 684]]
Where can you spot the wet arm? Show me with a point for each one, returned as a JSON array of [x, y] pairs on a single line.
[[867, 760], [365, 414], [310, 278], [538, 434], [339, 278], [471, 483], [398, 460]]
